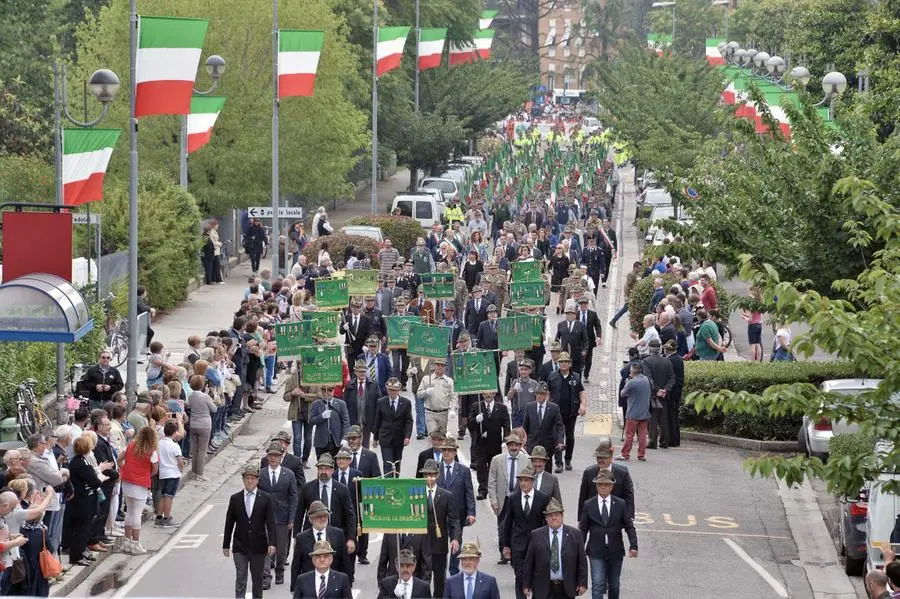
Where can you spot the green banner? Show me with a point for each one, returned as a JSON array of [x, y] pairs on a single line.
[[526, 293], [516, 331], [393, 505], [526, 271], [332, 293], [322, 365], [324, 325], [361, 282], [290, 337], [428, 340], [474, 372], [398, 330], [438, 285]]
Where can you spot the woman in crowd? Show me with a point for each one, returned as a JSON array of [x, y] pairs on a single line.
[[201, 407], [138, 464], [83, 507], [27, 517], [212, 253], [471, 269]]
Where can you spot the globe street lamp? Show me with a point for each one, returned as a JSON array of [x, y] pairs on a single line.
[[833, 84], [776, 67], [799, 76], [215, 66]]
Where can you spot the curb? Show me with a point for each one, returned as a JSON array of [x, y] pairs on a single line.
[[740, 442]]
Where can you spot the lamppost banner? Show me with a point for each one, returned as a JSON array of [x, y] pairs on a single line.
[[393, 505]]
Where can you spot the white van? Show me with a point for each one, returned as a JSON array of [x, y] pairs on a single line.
[[884, 509], [420, 206], [447, 187]]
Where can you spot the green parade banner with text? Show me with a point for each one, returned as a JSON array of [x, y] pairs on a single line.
[[474, 372], [428, 340], [393, 505], [324, 325], [321, 365], [332, 293], [361, 282], [438, 285], [290, 337], [398, 330], [526, 271], [515, 331], [526, 293]]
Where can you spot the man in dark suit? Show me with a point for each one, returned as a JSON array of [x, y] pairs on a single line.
[[594, 260], [572, 337], [543, 424], [361, 397], [603, 518], [623, 488], [489, 424], [417, 544], [551, 365], [329, 416], [281, 484], [393, 426], [457, 479], [486, 337], [609, 244], [674, 399], [471, 583], [476, 310], [102, 381], [346, 476], [546, 483], [324, 582], [250, 532], [591, 323], [524, 513], [565, 574], [444, 532], [437, 436], [404, 584], [362, 459], [567, 392], [319, 530], [103, 451], [355, 327], [377, 325], [288, 460], [335, 497]]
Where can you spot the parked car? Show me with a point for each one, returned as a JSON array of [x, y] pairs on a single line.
[[815, 433], [438, 196], [420, 206], [852, 523], [656, 197], [473, 160], [364, 231], [457, 174], [658, 213], [883, 519], [447, 187], [591, 124]]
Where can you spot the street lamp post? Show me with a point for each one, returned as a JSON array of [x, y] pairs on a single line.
[[104, 84], [276, 190], [418, 36], [215, 66], [667, 5], [727, 5]]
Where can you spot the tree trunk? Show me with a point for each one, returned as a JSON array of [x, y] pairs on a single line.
[[413, 178]]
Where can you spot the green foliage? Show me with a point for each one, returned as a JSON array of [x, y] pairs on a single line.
[[26, 178], [23, 129], [169, 235], [425, 140], [337, 242], [319, 136], [695, 20], [642, 291], [401, 230], [851, 458]]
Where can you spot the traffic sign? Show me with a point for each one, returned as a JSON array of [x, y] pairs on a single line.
[[82, 219], [283, 212]]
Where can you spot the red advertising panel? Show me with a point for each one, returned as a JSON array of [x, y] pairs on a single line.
[[37, 242]]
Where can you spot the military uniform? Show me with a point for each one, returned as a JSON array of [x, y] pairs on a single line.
[[496, 283], [439, 399]]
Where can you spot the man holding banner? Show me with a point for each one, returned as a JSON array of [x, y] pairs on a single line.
[[489, 424], [444, 531], [393, 426]]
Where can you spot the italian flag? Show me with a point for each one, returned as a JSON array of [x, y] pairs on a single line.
[[86, 154], [486, 18], [463, 53], [166, 65], [298, 58], [204, 112], [431, 47], [390, 48], [713, 56], [483, 41], [657, 42]]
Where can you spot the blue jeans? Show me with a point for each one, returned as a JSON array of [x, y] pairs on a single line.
[[620, 313], [270, 370], [302, 438], [420, 416], [605, 572]]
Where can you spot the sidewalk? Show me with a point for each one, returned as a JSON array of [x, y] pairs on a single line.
[[362, 204]]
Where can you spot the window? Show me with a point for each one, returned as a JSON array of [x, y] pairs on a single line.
[[405, 207], [581, 52], [551, 34], [423, 210], [567, 33]]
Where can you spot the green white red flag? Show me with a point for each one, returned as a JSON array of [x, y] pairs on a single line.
[[431, 47], [166, 64], [483, 41], [464, 53], [713, 56], [390, 48], [86, 154], [486, 18], [204, 112], [298, 59]]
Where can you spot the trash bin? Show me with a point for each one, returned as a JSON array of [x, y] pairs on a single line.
[[9, 430]]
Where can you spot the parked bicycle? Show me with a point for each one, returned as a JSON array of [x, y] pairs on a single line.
[[30, 414], [225, 254], [117, 341]]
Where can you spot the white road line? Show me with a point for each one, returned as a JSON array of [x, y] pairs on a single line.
[[776, 586], [148, 565]]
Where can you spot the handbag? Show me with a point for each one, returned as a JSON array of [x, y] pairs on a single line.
[[50, 566], [18, 571]]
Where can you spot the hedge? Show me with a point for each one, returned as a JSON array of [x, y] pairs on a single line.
[[642, 291], [401, 230], [753, 377], [337, 242]]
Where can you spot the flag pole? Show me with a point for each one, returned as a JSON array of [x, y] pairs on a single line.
[[418, 42], [131, 372], [274, 233], [374, 107]]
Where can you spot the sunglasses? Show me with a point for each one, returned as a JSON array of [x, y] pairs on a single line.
[[105, 357]]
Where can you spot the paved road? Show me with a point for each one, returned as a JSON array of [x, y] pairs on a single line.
[[705, 527]]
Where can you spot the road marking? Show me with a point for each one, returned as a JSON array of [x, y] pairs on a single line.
[[190, 542], [776, 586], [356, 593], [714, 534], [148, 565]]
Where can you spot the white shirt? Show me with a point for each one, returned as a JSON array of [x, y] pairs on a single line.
[[600, 503], [490, 407], [530, 497], [316, 532], [407, 591], [330, 494], [169, 452], [277, 472], [345, 474], [252, 500], [537, 480], [319, 576], [556, 575]]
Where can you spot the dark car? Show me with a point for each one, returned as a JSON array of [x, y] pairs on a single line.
[[854, 511]]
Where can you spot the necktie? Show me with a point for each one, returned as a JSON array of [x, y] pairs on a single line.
[[319, 536], [570, 325], [527, 508], [354, 464], [554, 552], [372, 373], [248, 503], [403, 590], [394, 405], [477, 305], [584, 318], [403, 539], [362, 391], [324, 495], [355, 324], [512, 475], [540, 414], [493, 327], [343, 478], [322, 587], [430, 497], [555, 367], [605, 512], [470, 587], [447, 477], [273, 479]]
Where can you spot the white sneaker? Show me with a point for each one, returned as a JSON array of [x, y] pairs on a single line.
[[137, 548], [127, 545], [116, 532]]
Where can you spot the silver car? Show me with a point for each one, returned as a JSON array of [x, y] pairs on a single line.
[[816, 433]]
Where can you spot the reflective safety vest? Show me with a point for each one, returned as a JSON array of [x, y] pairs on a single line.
[[453, 214]]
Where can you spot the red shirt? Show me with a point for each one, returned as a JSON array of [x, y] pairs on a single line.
[[137, 468], [708, 298]]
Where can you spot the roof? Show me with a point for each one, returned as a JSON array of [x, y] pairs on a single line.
[[43, 307]]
